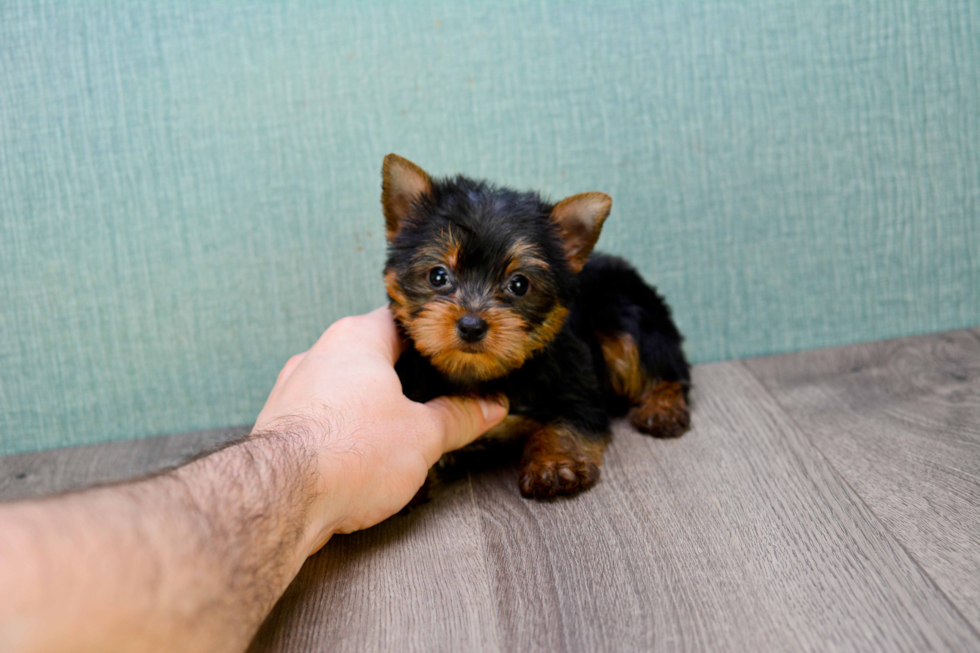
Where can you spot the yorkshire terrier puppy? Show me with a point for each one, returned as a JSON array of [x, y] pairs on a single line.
[[498, 292]]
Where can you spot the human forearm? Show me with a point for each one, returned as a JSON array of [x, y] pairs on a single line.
[[188, 560], [193, 559]]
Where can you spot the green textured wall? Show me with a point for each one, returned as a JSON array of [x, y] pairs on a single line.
[[189, 190]]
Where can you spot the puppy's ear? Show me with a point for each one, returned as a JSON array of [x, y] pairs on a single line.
[[402, 184], [579, 219]]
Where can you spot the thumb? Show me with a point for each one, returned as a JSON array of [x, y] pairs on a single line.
[[464, 419]]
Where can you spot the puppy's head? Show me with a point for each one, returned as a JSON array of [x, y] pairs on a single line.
[[478, 276]]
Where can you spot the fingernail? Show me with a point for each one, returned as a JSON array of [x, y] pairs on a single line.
[[494, 408]]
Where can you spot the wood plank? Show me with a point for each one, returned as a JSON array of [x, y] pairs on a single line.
[[414, 583], [737, 537], [36, 474], [900, 421]]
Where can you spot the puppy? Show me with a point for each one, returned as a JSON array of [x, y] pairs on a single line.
[[497, 292]]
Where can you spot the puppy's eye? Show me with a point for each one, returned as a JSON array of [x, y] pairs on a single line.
[[519, 285], [438, 277]]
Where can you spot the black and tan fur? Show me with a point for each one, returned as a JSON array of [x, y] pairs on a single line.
[[498, 292]]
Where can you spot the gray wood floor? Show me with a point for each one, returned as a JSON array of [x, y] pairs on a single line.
[[828, 500]]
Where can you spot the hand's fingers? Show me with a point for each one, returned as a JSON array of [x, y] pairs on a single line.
[[464, 419], [374, 331], [387, 332], [288, 368]]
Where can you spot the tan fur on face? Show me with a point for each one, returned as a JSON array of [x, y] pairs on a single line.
[[436, 338], [451, 252], [523, 256], [505, 348], [510, 339], [399, 303], [544, 333]]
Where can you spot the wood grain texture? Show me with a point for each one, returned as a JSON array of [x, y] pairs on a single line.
[[414, 583], [900, 421], [736, 537], [758, 530], [46, 472]]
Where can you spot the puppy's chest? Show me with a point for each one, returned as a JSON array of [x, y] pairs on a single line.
[[525, 388]]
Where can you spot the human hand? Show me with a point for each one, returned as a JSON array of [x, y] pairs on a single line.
[[372, 445]]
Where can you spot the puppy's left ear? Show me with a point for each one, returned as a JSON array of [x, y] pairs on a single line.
[[579, 220], [402, 184]]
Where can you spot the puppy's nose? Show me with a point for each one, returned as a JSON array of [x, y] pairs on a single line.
[[471, 327]]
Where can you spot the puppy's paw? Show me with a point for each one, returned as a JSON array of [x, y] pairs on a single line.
[[558, 475], [559, 461], [662, 411]]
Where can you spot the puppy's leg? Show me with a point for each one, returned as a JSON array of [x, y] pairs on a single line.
[[558, 459], [659, 406], [662, 410], [639, 343]]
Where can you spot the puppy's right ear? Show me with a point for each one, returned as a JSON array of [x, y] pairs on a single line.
[[579, 220], [402, 184]]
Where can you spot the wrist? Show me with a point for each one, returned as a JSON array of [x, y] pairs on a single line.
[[296, 467]]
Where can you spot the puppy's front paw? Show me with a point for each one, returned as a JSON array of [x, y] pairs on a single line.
[[543, 479], [558, 461], [662, 411]]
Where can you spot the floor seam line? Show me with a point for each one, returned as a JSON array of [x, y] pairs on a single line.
[[486, 563], [864, 503]]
